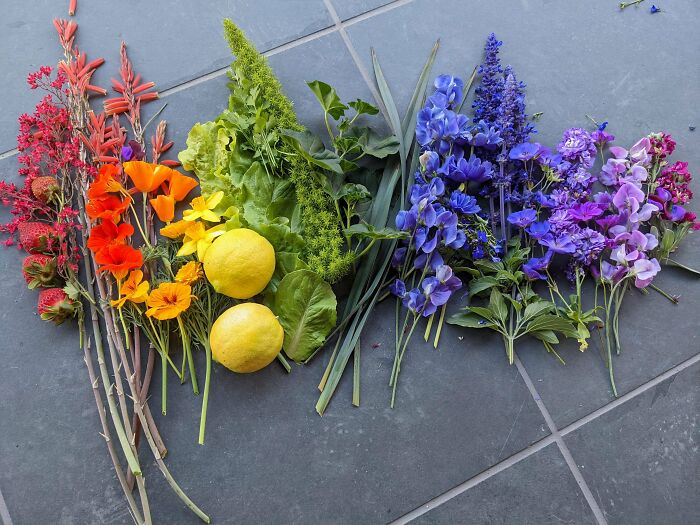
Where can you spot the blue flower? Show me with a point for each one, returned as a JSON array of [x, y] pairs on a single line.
[[562, 243], [472, 170], [432, 260], [463, 203], [414, 300], [537, 230], [446, 277], [406, 220], [398, 288], [478, 253], [534, 266], [512, 120], [451, 87], [482, 237], [489, 93], [481, 135], [523, 218], [524, 151], [399, 257], [653, 9]]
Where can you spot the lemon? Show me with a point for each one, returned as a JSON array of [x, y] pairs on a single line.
[[246, 337], [239, 263]]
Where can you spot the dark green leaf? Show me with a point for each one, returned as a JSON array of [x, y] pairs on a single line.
[[312, 149], [498, 305], [534, 309], [326, 95], [469, 320], [546, 335], [367, 231], [481, 284], [362, 107], [551, 322]]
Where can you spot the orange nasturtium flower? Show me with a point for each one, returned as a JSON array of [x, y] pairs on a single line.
[[110, 207], [198, 239], [169, 300], [105, 183], [189, 273], [164, 206], [175, 230], [145, 176], [179, 185], [203, 208], [119, 259], [107, 233], [134, 289]]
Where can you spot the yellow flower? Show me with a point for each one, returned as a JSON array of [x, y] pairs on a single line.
[[198, 239], [190, 273], [134, 289], [203, 208], [169, 300], [175, 230]]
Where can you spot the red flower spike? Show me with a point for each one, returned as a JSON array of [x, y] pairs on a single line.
[[72, 7]]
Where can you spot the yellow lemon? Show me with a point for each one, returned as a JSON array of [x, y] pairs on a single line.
[[239, 263], [246, 337]]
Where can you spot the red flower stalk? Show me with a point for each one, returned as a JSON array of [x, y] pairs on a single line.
[[133, 92]]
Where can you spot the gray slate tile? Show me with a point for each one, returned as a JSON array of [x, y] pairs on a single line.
[[54, 466], [168, 45], [269, 458], [351, 8], [539, 490], [640, 460]]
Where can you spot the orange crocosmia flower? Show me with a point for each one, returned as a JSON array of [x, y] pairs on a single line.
[[145, 176], [110, 207], [164, 205], [134, 289], [107, 233], [119, 259], [180, 185], [169, 300], [105, 183]]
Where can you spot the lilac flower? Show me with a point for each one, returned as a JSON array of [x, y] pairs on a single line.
[[636, 175], [612, 273], [524, 151], [600, 137], [644, 271], [445, 275], [609, 221], [464, 203], [611, 171], [537, 230], [489, 93], [523, 218], [577, 146], [561, 243], [641, 151], [535, 265]]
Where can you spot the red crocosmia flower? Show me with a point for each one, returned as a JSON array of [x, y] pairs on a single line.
[[119, 259], [146, 176], [164, 206], [110, 207], [180, 185], [107, 234], [105, 183]]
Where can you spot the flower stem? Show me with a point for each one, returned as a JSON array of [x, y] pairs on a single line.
[[397, 367], [439, 327], [205, 397]]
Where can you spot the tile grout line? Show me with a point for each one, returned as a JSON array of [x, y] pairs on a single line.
[[474, 481], [630, 395], [559, 440], [4, 511], [338, 25], [356, 58]]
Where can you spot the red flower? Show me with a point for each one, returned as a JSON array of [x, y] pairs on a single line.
[[119, 259], [110, 207], [107, 234], [105, 183]]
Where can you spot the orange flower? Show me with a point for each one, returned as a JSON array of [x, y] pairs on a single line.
[[175, 230], [134, 289], [145, 176], [189, 273], [164, 205], [179, 185], [107, 233], [105, 182], [169, 300], [119, 259], [110, 207]]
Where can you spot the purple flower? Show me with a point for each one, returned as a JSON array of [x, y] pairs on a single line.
[[399, 257], [451, 87], [398, 288], [481, 135], [561, 243], [489, 93], [585, 211], [463, 203], [473, 170], [537, 230], [676, 214], [628, 198], [640, 152], [644, 271], [523, 218], [577, 146], [512, 120], [612, 273], [414, 301], [406, 220], [127, 152], [601, 137], [524, 151], [432, 260], [445, 275], [636, 175], [535, 265]]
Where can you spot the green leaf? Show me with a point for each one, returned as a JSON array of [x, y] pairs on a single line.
[[482, 312], [280, 235], [469, 320], [329, 99], [258, 190], [537, 308], [372, 143], [546, 335], [312, 149], [363, 108], [408, 124], [551, 322], [488, 266], [367, 231], [498, 305], [306, 306], [285, 263], [481, 284], [353, 193]]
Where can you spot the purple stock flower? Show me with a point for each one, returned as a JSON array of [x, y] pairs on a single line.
[[577, 146], [523, 218]]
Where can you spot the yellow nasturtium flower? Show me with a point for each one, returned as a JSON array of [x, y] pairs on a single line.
[[189, 273], [198, 239], [134, 289], [204, 208]]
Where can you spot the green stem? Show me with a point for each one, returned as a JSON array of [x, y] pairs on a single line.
[[205, 397], [439, 327], [395, 379], [284, 362], [356, 375], [187, 350], [428, 327], [164, 383]]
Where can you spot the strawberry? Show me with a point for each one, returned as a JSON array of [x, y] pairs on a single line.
[[34, 236], [45, 188], [39, 270], [54, 305]]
